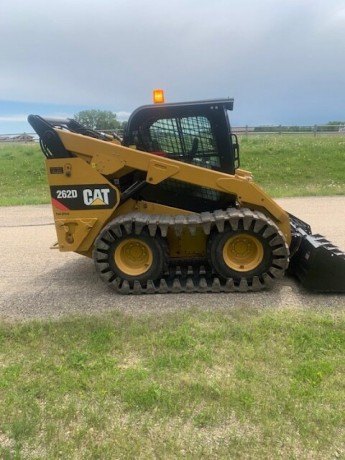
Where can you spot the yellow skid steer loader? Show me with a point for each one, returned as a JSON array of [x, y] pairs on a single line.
[[168, 208]]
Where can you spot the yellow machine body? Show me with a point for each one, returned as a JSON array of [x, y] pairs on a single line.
[[95, 166]]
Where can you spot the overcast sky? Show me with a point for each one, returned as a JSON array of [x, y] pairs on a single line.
[[282, 60]]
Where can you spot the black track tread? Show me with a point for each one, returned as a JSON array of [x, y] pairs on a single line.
[[186, 278]]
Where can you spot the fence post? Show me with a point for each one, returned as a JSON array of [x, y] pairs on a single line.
[[315, 130]]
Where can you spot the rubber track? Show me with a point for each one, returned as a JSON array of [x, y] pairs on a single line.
[[199, 277]]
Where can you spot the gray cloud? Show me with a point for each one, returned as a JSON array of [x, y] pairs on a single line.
[[281, 60]]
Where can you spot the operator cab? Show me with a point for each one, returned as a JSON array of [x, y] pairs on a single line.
[[194, 132]]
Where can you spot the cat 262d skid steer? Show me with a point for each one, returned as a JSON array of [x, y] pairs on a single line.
[[168, 209]]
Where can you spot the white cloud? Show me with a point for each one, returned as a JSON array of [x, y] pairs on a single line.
[[276, 57], [13, 119], [122, 116]]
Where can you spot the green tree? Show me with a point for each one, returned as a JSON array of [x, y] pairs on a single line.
[[100, 120], [334, 125]]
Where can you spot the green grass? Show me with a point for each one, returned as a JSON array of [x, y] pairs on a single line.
[[22, 175], [254, 384], [283, 165], [296, 165]]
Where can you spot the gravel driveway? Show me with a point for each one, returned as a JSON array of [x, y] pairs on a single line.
[[37, 282]]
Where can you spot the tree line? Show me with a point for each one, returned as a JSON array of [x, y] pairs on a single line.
[[103, 120]]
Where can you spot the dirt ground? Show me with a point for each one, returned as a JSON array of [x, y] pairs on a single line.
[[38, 282]]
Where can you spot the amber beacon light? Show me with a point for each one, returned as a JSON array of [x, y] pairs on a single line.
[[158, 96]]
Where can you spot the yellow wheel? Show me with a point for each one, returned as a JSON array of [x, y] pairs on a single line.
[[129, 257], [252, 253], [133, 257], [243, 252]]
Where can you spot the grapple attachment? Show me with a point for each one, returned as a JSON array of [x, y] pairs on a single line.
[[318, 264]]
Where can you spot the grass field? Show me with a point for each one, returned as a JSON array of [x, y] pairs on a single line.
[[283, 165], [296, 165], [193, 384]]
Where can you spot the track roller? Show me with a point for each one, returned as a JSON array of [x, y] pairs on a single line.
[[136, 259], [251, 248]]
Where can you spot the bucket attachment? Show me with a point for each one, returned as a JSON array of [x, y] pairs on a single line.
[[318, 264]]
